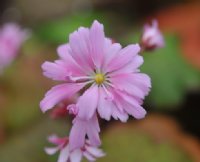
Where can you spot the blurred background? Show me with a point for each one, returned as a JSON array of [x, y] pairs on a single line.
[[169, 133]]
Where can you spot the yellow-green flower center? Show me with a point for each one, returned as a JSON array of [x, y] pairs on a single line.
[[99, 78]]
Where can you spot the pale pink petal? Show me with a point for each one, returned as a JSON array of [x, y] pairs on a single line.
[[64, 154], [88, 156], [76, 156], [54, 139], [56, 70], [142, 80], [65, 53], [93, 131], [137, 112], [107, 108], [96, 152], [131, 105], [131, 67], [122, 116], [97, 39], [77, 134], [111, 51], [136, 84], [87, 103], [51, 150], [124, 57], [59, 93], [104, 106], [79, 43], [80, 129]]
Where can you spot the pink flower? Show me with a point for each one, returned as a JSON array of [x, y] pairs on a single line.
[[11, 38], [109, 81], [88, 151], [107, 75], [80, 129], [152, 37]]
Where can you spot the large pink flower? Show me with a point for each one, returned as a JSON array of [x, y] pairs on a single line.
[[62, 144], [11, 38], [108, 73]]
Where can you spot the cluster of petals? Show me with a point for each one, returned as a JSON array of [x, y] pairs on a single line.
[[152, 38], [104, 74], [11, 39], [62, 144]]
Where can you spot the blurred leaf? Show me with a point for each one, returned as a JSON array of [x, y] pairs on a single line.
[[24, 86], [172, 19], [28, 146], [57, 31], [172, 76], [127, 143]]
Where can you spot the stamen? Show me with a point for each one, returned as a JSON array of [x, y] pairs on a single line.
[[99, 78]]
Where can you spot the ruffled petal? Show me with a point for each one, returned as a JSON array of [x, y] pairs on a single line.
[[80, 129], [76, 156], [79, 43], [64, 154], [87, 103], [96, 152], [89, 157], [111, 51], [123, 58], [130, 105], [104, 105], [65, 53], [131, 67], [97, 39], [108, 107], [77, 134], [137, 112], [121, 115], [59, 93], [93, 131], [55, 70], [143, 81], [136, 84]]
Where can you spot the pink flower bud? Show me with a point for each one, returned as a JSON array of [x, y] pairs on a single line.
[[88, 151], [152, 38]]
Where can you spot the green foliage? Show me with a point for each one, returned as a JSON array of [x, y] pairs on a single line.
[[172, 76], [127, 144], [57, 31], [28, 146], [23, 92]]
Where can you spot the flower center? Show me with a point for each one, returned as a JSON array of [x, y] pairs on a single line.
[[99, 78]]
